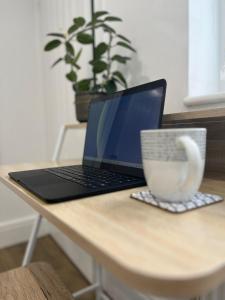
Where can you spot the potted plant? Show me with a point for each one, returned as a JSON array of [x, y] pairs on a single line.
[[105, 77]]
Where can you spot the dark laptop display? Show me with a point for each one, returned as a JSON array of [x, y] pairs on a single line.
[[114, 134], [112, 152]]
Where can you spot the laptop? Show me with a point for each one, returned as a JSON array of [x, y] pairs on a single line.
[[112, 151]]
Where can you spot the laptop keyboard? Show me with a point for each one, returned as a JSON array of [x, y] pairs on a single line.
[[92, 177]]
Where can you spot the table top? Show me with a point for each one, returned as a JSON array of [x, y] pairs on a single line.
[[151, 250]]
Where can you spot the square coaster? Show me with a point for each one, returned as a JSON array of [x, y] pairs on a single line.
[[198, 200]]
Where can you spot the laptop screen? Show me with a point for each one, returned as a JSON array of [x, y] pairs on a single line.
[[115, 122]]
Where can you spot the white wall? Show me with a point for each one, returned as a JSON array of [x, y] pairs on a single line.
[[22, 114], [33, 105], [57, 15], [22, 109], [159, 32]]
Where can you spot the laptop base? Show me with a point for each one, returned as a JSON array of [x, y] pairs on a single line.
[[52, 188]]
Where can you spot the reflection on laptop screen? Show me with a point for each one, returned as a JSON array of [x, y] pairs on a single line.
[[114, 125]]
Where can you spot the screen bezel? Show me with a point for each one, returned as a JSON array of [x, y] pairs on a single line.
[[135, 171]]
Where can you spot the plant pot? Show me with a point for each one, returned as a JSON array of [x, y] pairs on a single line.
[[82, 101]]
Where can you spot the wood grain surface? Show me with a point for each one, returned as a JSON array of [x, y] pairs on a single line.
[[76, 125], [200, 114], [149, 249], [47, 250], [35, 282]]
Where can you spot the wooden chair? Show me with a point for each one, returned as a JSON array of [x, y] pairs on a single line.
[[37, 281]]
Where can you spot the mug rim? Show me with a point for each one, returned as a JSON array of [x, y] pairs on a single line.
[[174, 129]]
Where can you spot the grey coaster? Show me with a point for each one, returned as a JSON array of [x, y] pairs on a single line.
[[199, 200]]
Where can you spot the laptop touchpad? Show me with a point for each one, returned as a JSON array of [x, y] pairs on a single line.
[[41, 178]]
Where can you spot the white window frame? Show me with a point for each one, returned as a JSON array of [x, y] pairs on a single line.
[[206, 33]]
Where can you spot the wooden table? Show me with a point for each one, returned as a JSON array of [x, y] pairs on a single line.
[[151, 250], [37, 281]]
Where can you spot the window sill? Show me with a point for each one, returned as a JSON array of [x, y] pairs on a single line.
[[205, 99]]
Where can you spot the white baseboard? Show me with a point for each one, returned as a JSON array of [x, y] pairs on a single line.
[[17, 231]]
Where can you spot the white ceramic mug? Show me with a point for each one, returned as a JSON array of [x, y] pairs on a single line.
[[173, 161]]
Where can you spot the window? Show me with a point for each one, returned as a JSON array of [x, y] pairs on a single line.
[[206, 47]]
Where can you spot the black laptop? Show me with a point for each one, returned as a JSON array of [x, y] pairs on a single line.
[[112, 152]]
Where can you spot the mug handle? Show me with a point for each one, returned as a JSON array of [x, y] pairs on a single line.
[[194, 172]]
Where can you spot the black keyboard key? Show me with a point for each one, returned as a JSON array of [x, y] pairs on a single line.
[[91, 177]]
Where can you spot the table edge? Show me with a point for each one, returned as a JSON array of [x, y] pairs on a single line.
[[181, 286]]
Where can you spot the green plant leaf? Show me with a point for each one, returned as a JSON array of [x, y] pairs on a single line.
[[52, 45], [120, 76], [56, 62], [120, 59], [122, 37], [73, 28], [98, 14], [100, 49], [77, 66], [110, 86], [61, 35], [71, 76], [77, 56], [69, 48], [125, 45], [84, 38], [99, 66], [83, 85], [68, 59], [108, 28], [79, 21], [112, 18], [117, 81], [71, 61], [97, 88], [94, 23]]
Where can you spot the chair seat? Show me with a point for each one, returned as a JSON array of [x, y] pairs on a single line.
[[38, 281]]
